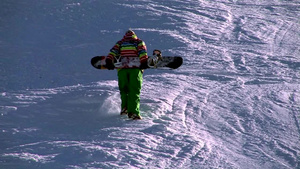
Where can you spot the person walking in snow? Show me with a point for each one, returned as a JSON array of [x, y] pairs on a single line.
[[129, 80]]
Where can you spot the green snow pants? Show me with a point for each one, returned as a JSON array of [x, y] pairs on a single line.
[[130, 85]]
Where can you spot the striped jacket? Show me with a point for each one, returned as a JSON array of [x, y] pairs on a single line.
[[129, 46]]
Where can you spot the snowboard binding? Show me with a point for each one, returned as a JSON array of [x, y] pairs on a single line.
[[118, 62], [155, 58]]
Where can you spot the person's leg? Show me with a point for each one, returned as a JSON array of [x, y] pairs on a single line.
[[123, 81], [135, 86]]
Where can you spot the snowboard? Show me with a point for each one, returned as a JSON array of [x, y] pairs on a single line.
[[154, 62]]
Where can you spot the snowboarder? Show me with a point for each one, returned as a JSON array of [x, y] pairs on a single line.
[[129, 80]]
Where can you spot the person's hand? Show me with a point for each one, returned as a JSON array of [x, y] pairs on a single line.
[[109, 64], [144, 65]]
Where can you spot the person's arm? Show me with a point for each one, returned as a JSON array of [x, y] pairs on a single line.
[[115, 51], [142, 52]]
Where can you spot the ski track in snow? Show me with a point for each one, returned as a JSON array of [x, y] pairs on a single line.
[[234, 103]]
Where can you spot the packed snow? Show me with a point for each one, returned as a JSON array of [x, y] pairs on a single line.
[[234, 103]]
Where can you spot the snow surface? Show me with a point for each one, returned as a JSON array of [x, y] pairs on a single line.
[[233, 104]]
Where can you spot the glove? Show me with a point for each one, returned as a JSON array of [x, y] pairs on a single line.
[[144, 65], [109, 64]]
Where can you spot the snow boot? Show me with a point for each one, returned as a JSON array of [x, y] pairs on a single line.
[[124, 111], [136, 117], [130, 115]]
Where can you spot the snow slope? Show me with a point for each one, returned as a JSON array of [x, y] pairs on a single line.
[[233, 104]]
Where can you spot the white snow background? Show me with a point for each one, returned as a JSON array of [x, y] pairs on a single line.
[[234, 103]]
